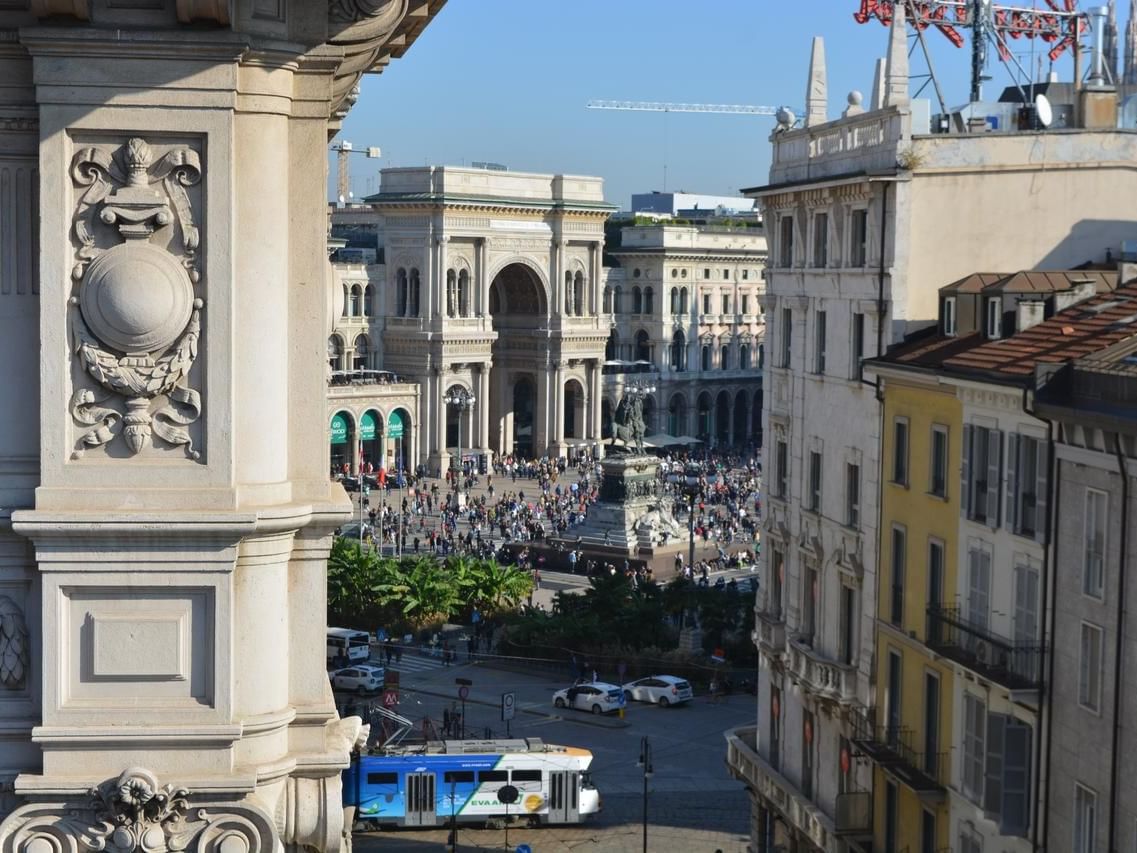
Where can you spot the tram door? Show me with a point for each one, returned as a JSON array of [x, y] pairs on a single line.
[[420, 799], [564, 805]]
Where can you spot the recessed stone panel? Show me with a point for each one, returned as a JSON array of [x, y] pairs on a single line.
[[135, 645]]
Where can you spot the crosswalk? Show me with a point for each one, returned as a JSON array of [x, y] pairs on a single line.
[[412, 663]]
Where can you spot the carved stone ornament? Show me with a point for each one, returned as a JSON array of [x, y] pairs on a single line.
[[136, 322], [132, 814]]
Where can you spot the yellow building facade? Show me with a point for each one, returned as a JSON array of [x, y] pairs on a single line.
[[910, 739]]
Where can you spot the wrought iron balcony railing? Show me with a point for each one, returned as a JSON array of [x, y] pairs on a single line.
[[854, 813], [1016, 666], [890, 747]]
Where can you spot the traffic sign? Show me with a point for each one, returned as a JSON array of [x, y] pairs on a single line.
[[463, 692], [390, 698], [508, 706], [522, 848]]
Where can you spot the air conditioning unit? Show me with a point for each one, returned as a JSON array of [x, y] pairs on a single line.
[[982, 651]]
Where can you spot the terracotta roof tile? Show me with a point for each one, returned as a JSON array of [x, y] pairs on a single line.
[[1078, 331]]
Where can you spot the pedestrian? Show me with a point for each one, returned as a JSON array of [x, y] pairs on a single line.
[[470, 645], [595, 677], [621, 671], [446, 653]]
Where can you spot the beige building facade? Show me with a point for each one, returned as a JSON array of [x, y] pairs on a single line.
[[165, 522]]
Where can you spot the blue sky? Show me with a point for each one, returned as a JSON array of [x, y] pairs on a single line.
[[507, 80]]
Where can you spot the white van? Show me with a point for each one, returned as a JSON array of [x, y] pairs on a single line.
[[347, 646]]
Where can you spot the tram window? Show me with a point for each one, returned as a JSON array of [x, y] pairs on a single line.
[[526, 775], [458, 776], [493, 776], [382, 778]]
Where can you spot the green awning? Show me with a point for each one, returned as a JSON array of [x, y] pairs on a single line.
[[394, 426], [367, 427], [339, 429]]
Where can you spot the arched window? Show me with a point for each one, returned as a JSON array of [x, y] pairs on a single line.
[[706, 357], [643, 346], [335, 352], [724, 358], [617, 299], [401, 293], [675, 300], [744, 357], [569, 300], [346, 300], [649, 301], [368, 306], [683, 306], [415, 289], [356, 301], [678, 352], [451, 294], [637, 301], [607, 300], [361, 358], [464, 293], [677, 415], [578, 294]]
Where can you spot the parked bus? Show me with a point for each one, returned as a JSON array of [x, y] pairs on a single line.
[[431, 784], [346, 646]]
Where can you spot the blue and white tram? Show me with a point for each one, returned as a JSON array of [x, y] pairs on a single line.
[[432, 784]]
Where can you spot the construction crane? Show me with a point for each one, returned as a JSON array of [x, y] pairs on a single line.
[[1058, 25], [664, 107], [343, 181]]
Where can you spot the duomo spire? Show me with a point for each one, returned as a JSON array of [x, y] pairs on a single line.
[[1129, 60]]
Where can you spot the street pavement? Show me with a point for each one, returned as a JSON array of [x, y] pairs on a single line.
[[693, 804]]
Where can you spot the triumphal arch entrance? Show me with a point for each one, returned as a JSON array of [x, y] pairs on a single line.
[[494, 289]]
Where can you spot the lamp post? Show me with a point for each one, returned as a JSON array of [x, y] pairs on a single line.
[[463, 400], [692, 483], [645, 764]]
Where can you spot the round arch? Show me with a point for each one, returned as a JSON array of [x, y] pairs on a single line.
[[371, 439], [677, 415], [528, 265], [722, 419], [397, 438], [335, 351], [741, 416], [574, 409], [341, 437], [703, 417]]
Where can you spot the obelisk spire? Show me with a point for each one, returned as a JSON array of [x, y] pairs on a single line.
[[896, 68], [816, 93]]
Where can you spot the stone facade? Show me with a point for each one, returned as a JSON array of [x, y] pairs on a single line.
[[165, 518], [687, 318]]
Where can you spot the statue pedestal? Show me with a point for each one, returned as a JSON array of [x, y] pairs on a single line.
[[628, 518]]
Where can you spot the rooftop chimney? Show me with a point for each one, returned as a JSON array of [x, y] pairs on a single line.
[[1080, 292], [1029, 312]]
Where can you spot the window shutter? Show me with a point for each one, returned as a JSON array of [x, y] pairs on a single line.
[[994, 480], [1041, 519], [993, 778], [1016, 779], [1012, 514], [965, 473]]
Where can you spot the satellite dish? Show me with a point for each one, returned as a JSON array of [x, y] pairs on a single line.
[[1043, 109], [785, 117]]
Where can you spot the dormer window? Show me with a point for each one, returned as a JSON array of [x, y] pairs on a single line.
[[949, 316], [994, 318]]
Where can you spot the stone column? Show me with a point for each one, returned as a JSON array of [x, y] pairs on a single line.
[[596, 403], [594, 278], [482, 284], [438, 280], [162, 425], [484, 407], [559, 408]]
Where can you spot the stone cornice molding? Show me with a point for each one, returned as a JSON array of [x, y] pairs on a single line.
[[202, 10], [536, 210], [80, 9]]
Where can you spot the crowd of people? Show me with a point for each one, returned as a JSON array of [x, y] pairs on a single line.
[[522, 501]]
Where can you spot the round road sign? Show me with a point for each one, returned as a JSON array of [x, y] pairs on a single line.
[[390, 699], [463, 692]]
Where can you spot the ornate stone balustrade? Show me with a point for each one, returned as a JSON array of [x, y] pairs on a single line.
[[821, 675]]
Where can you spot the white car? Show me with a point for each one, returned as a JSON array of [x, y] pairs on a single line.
[[362, 678], [595, 696], [662, 690]]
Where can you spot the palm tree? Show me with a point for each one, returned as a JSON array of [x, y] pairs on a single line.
[[499, 586]]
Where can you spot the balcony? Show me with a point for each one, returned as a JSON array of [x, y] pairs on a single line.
[[865, 142], [769, 633], [854, 814], [746, 765], [1015, 666], [890, 748], [821, 675]]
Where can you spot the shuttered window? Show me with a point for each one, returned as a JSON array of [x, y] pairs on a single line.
[[974, 753]]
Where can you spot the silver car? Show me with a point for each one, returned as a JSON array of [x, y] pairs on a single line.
[[662, 690]]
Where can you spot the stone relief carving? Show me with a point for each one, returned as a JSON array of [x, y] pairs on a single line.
[[136, 323], [361, 28], [133, 814], [14, 645]]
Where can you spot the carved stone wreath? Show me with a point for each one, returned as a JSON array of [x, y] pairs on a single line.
[[137, 320], [133, 814]]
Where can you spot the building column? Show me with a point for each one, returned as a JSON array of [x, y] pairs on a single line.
[[559, 408], [594, 277], [484, 404], [438, 280], [356, 459], [482, 286], [596, 402], [560, 250], [542, 432]]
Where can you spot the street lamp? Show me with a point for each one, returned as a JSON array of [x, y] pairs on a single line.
[[464, 401], [692, 482], [645, 764]]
